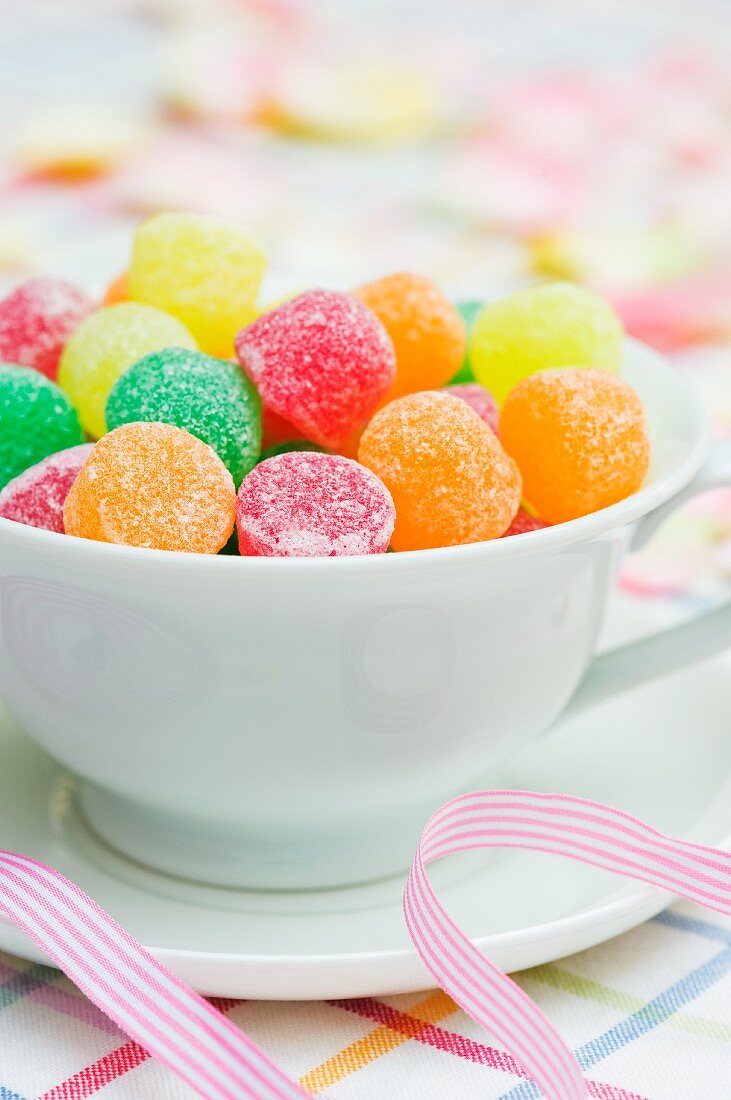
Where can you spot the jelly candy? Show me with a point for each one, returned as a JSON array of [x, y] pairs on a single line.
[[211, 398], [479, 399], [426, 329], [322, 362], [37, 319], [102, 348], [153, 485], [201, 269], [467, 311], [304, 504], [523, 523], [451, 480], [36, 419], [556, 325], [37, 496], [579, 438]]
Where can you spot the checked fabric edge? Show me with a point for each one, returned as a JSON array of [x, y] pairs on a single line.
[[220, 1062]]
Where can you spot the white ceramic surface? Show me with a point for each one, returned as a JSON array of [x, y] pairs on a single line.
[[662, 751], [292, 723]]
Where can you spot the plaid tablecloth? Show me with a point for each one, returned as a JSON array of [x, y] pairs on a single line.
[[648, 1014]]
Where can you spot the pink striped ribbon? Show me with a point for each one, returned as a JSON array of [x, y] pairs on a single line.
[[218, 1060]]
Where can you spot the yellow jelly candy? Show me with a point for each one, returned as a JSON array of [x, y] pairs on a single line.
[[104, 345], [201, 269], [556, 325]]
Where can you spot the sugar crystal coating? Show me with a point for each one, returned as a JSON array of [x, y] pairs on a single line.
[[37, 496], [211, 398], [580, 440], [201, 269], [153, 485], [37, 319], [450, 479], [541, 327], [479, 399], [322, 361], [426, 329], [36, 419], [305, 504], [104, 346]]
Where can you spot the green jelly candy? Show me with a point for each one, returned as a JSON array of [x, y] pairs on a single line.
[[290, 445], [210, 398], [36, 420], [468, 311]]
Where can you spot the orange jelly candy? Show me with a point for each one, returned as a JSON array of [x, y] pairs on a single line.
[[450, 478], [153, 485], [426, 329], [117, 291], [580, 440]]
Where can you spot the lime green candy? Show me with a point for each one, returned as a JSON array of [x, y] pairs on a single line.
[[554, 325], [102, 348], [36, 420], [468, 311], [210, 398]]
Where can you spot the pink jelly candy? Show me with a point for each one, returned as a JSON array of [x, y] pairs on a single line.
[[523, 523], [322, 361], [37, 496], [478, 398], [36, 320], [304, 504]]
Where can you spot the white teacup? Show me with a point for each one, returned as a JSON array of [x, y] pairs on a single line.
[[292, 723]]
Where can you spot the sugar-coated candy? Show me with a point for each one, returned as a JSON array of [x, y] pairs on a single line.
[[153, 485], [450, 478], [426, 329], [579, 438], [554, 325], [479, 399], [36, 419], [36, 320], [117, 291], [105, 345], [201, 269], [37, 496], [322, 361], [304, 504], [211, 398], [523, 523], [467, 311]]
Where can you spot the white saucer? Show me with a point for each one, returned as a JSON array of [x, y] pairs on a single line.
[[662, 752]]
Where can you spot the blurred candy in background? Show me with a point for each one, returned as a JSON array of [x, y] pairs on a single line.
[[483, 144]]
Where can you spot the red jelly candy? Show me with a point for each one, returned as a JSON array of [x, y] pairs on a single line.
[[37, 496], [37, 319], [322, 361], [305, 504], [478, 398], [523, 523]]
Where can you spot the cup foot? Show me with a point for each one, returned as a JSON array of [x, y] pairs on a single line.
[[254, 856]]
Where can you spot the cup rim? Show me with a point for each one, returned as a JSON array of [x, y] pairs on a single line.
[[82, 551]]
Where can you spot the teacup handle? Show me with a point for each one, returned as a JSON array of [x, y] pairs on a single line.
[[682, 645]]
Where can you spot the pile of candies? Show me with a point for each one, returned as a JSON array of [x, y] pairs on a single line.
[[331, 424]]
